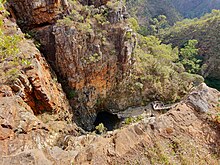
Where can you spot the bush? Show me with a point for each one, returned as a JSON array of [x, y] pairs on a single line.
[[10, 57], [100, 129], [158, 71]]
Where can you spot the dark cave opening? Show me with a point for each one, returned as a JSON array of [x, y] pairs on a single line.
[[109, 120]]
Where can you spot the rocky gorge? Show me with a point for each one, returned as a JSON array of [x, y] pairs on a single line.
[[79, 60]]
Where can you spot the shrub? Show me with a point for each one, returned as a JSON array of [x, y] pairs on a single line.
[[133, 23], [100, 129], [65, 21], [130, 120], [10, 56], [100, 18]]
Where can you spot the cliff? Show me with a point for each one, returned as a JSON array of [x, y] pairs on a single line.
[[88, 63], [87, 48]]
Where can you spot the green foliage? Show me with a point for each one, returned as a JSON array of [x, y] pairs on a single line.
[[189, 51], [145, 10], [157, 155], [100, 18], [37, 44], [3, 12], [157, 24], [8, 46], [114, 4], [95, 57], [92, 58], [157, 69], [128, 36], [84, 27], [206, 31], [188, 57], [133, 23], [65, 21], [10, 56], [100, 129], [25, 62], [130, 120]]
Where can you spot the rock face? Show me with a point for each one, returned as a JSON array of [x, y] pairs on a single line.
[[35, 84], [18, 122], [90, 56], [181, 135], [24, 138], [37, 13], [91, 68], [38, 88], [31, 99], [202, 99]]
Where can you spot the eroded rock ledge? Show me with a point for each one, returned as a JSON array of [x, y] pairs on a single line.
[[183, 134]]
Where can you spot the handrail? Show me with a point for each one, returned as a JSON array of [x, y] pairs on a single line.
[[158, 105]]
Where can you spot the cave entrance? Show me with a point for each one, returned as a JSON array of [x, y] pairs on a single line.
[[109, 120]]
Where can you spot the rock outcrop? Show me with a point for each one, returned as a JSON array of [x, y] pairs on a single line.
[[90, 49], [24, 138], [31, 14], [34, 111], [202, 98], [181, 135], [32, 79]]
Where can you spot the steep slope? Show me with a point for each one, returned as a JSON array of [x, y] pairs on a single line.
[[30, 96], [143, 10], [25, 72], [175, 10], [195, 8], [206, 31]]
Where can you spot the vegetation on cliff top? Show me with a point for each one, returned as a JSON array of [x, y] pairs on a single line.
[[11, 59]]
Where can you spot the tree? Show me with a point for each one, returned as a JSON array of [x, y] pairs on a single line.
[[189, 57], [157, 24]]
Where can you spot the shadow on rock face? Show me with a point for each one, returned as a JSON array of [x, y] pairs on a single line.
[[109, 120]]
